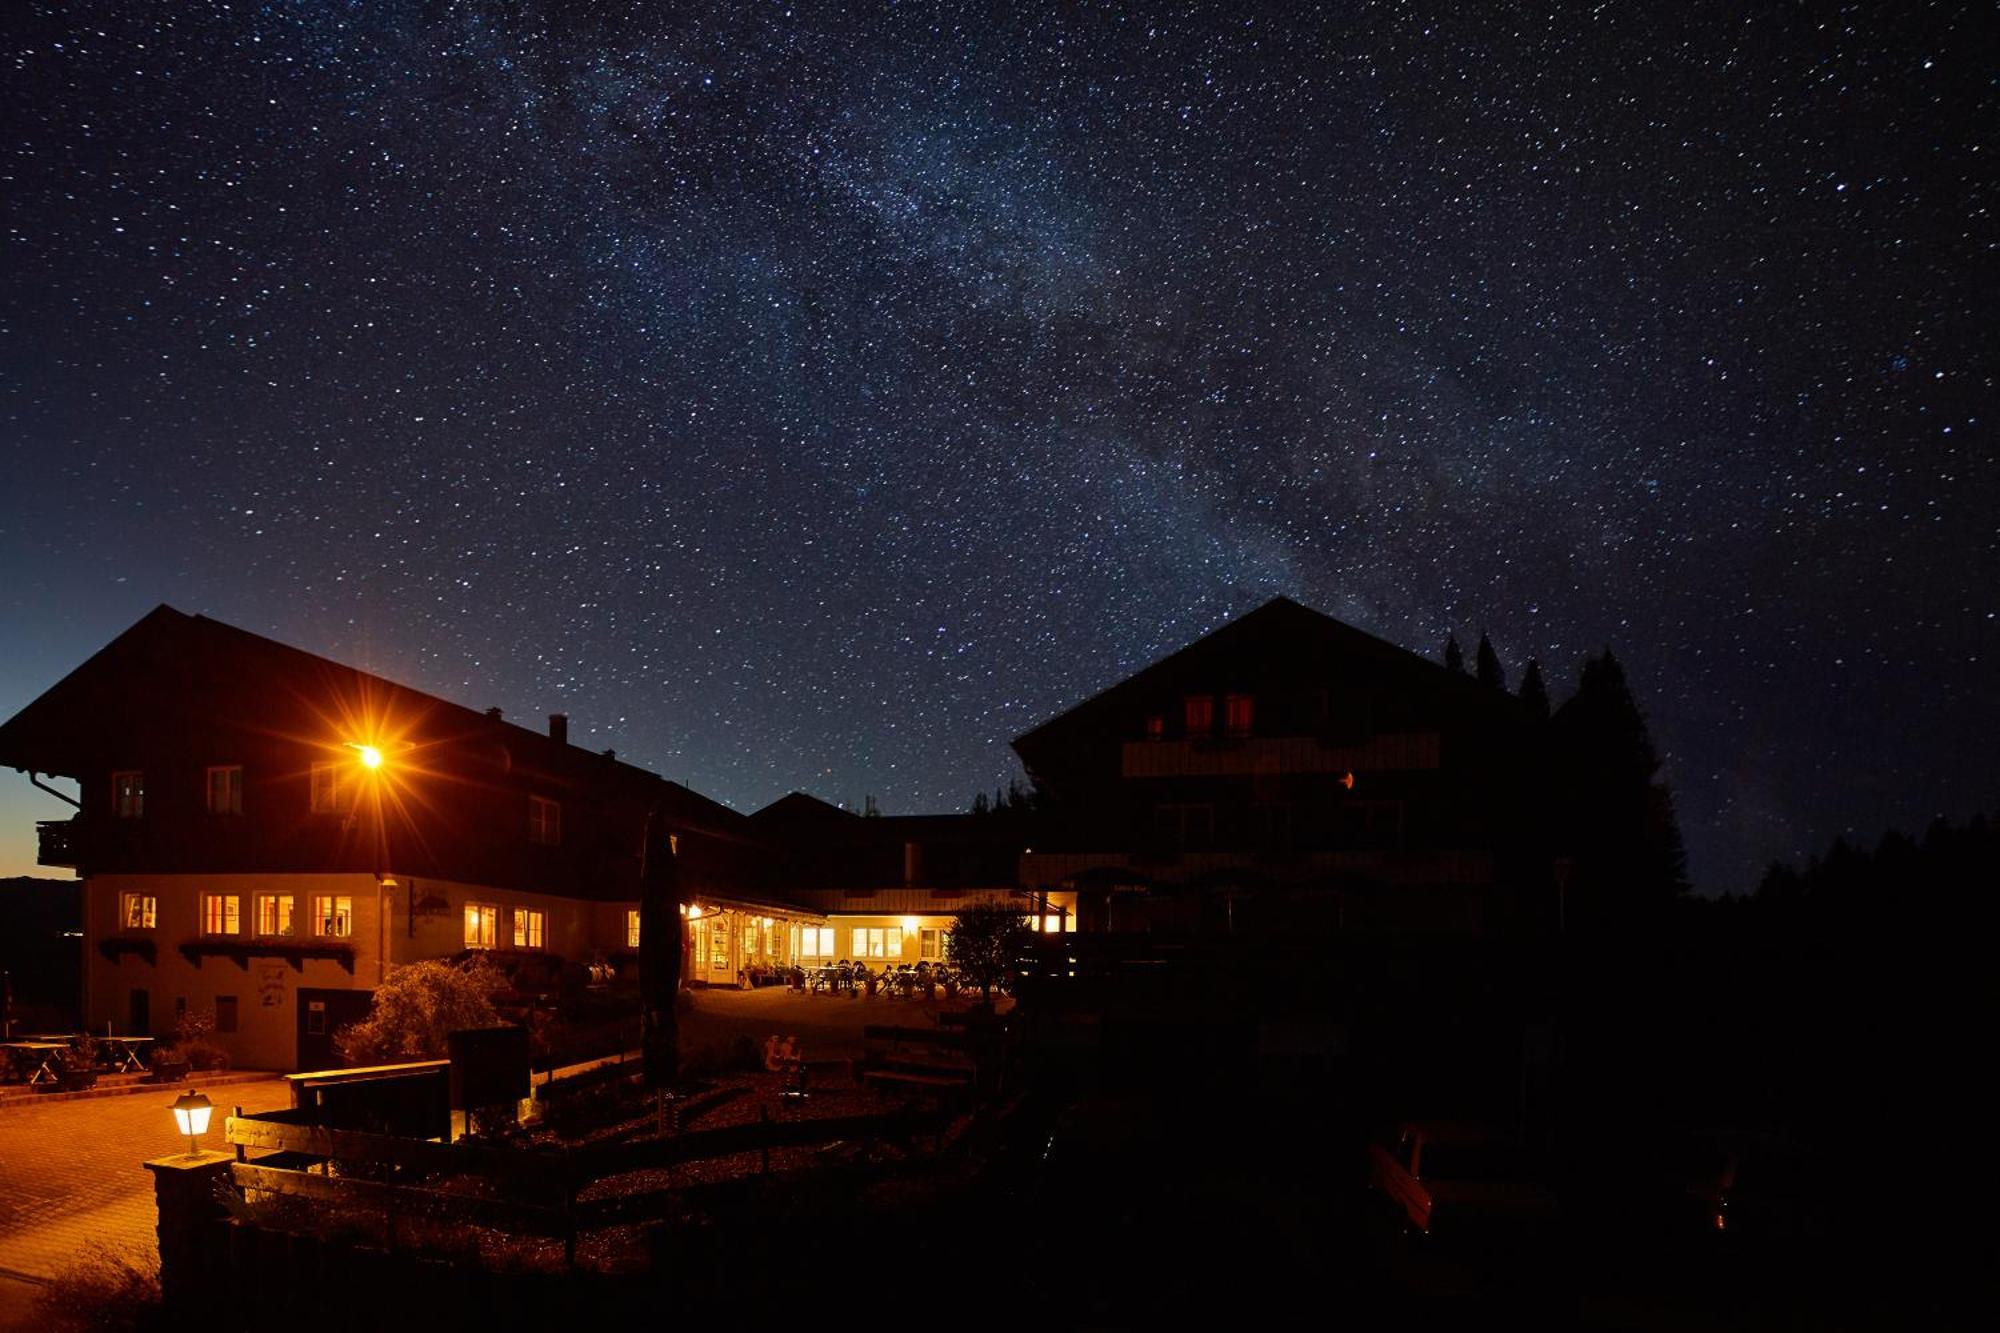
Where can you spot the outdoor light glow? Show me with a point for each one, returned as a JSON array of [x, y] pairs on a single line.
[[191, 1111], [909, 925], [694, 913], [370, 756]]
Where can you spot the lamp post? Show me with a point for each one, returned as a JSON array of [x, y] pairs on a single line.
[[191, 1111]]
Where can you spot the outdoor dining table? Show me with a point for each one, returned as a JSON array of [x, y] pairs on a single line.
[[126, 1053], [29, 1050]]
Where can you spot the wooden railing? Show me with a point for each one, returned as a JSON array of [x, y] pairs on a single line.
[[534, 1190]]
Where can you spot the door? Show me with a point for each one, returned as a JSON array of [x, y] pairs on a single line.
[[139, 1017], [322, 1013]]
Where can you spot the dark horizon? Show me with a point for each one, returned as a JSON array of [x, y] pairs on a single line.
[[821, 407]]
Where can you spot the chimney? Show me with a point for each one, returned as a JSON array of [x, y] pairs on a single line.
[[559, 728], [493, 715]]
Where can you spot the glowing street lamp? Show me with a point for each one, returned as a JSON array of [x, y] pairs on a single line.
[[191, 1111], [371, 757]]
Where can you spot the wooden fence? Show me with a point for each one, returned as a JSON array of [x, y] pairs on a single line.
[[524, 1191]]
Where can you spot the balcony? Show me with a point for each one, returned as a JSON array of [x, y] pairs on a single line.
[[59, 843]]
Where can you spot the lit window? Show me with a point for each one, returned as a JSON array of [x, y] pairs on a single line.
[[930, 944], [225, 790], [1156, 727], [544, 822], [632, 928], [326, 789], [1052, 923], [128, 793], [221, 914], [875, 942], [138, 911], [816, 941], [333, 915], [274, 913], [530, 929], [1200, 713], [482, 924], [1239, 711]]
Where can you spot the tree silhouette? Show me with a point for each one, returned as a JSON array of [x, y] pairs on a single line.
[[1617, 821], [1491, 673], [1454, 656], [986, 943], [1533, 692]]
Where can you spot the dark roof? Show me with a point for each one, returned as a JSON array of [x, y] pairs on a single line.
[[1278, 621], [168, 649]]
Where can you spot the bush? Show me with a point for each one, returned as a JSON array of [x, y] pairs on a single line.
[[417, 1006], [104, 1289], [194, 1043]]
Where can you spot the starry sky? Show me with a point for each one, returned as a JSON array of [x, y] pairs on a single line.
[[816, 398]]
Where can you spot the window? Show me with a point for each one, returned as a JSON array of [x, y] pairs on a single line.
[[1156, 727], [326, 789], [1185, 825], [333, 915], [544, 822], [274, 913], [878, 942], [482, 924], [930, 944], [225, 790], [632, 928], [137, 911], [530, 929], [221, 914], [128, 793], [816, 941], [225, 1013], [1239, 711], [1200, 712]]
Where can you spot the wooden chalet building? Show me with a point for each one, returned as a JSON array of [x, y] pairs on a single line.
[[263, 833], [1289, 772]]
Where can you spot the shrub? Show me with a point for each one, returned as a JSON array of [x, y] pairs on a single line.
[[986, 944], [104, 1289], [417, 1006], [194, 1042]]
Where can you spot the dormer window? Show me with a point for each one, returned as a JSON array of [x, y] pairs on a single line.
[[1156, 727], [1200, 713], [544, 821], [1239, 714], [128, 793]]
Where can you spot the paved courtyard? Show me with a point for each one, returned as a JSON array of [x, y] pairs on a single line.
[[70, 1172], [828, 1026]]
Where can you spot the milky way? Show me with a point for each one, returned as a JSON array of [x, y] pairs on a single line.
[[814, 401]]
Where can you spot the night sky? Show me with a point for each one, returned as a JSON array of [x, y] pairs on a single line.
[[804, 401]]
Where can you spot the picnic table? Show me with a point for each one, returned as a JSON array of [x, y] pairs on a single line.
[[34, 1054], [124, 1054]]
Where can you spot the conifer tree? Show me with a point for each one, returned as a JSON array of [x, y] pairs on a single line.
[[1618, 823], [1533, 692], [1454, 656], [1491, 674]]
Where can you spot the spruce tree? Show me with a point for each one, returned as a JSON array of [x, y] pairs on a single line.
[[1454, 656], [1533, 692], [1491, 674], [1618, 823]]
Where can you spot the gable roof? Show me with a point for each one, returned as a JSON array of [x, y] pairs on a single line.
[[182, 652], [1280, 624]]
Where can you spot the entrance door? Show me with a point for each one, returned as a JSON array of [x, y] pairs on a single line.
[[321, 1014], [139, 1018], [715, 949]]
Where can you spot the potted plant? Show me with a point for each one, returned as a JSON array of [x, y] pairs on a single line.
[[170, 1064]]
